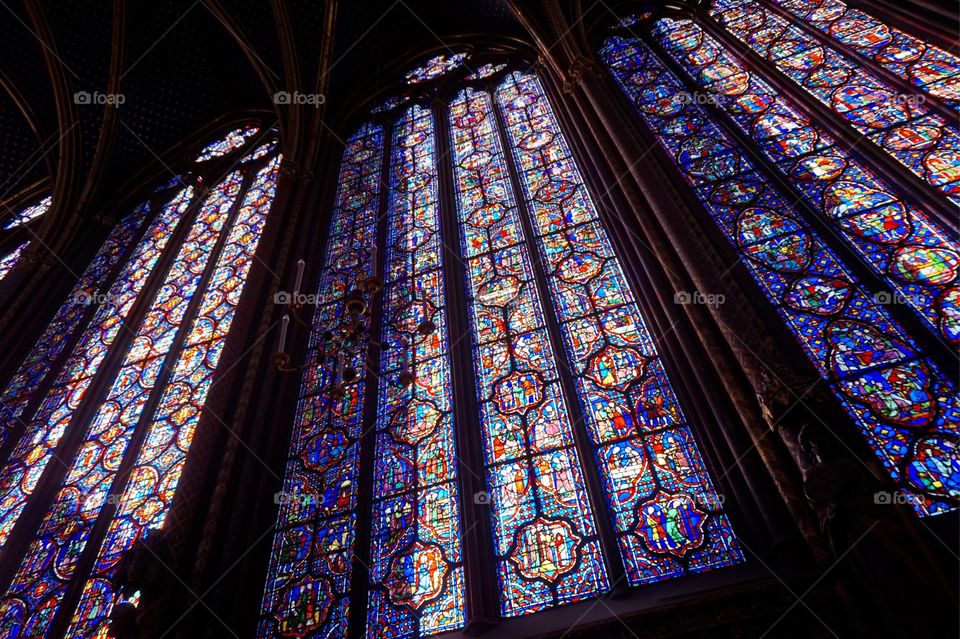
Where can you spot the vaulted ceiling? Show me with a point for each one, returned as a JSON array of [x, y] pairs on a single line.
[[182, 64]]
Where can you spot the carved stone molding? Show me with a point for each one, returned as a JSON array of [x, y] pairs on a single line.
[[38, 256], [104, 220], [582, 67], [293, 170]]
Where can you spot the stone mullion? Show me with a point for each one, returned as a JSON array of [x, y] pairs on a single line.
[[929, 197], [682, 343], [483, 605]]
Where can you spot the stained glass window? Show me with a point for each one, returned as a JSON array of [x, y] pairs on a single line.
[[435, 67], [589, 466], [167, 352], [29, 213], [903, 126], [487, 70], [931, 68], [156, 471], [900, 241], [230, 142], [906, 407], [8, 261], [655, 481], [66, 325], [533, 469], [416, 534], [47, 427], [310, 571]]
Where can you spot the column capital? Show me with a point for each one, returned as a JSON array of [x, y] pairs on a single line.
[[294, 170], [581, 67]]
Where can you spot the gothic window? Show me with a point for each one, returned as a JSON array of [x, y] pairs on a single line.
[[506, 321], [931, 68], [907, 127], [8, 261], [15, 220], [115, 387], [835, 244], [27, 214]]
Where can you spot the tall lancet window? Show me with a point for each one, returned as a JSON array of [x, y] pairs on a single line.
[[515, 424], [863, 273], [908, 122], [932, 69], [101, 415]]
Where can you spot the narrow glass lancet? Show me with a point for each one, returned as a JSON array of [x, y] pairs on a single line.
[[932, 69], [905, 406], [900, 241], [904, 127], [8, 261], [415, 552], [309, 577], [545, 535], [41, 582], [46, 428], [62, 330], [145, 501], [668, 517]]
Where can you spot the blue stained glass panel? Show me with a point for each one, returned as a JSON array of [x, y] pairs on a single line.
[[905, 406], [40, 583], [43, 433], [929, 67], [8, 261], [28, 213], [68, 322], [309, 576], [415, 556], [900, 241], [545, 536], [866, 101], [145, 501], [669, 519]]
